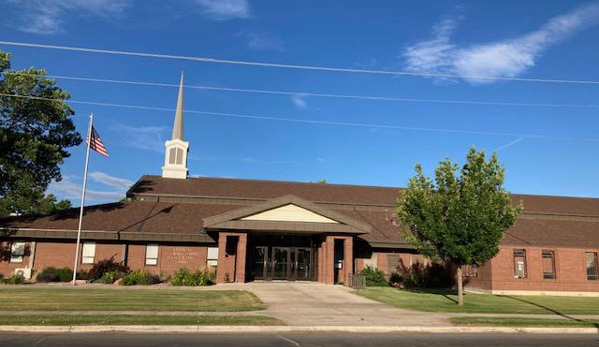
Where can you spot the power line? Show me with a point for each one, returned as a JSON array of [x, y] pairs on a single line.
[[318, 122], [310, 94], [290, 66]]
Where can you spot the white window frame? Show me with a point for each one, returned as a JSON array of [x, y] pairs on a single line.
[[152, 254], [88, 253], [212, 256], [17, 252]]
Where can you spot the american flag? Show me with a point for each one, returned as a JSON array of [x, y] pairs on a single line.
[[96, 143]]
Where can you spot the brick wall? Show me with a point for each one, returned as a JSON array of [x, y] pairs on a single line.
[[61, 254], [570, 271]]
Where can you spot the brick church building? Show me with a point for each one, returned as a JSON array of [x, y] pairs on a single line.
[[255, 230]]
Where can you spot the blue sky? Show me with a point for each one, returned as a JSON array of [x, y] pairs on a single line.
[[522, 39]]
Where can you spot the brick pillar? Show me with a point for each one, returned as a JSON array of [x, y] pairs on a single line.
[[221, 267], [322, 258], [348, 258], [330, 261], [241, 258]]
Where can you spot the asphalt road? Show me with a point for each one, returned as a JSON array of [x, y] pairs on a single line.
[[293, 340]]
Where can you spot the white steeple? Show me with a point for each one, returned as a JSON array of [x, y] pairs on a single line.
[[175, 160]]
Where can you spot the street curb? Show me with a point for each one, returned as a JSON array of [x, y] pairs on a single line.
[[285, 329]]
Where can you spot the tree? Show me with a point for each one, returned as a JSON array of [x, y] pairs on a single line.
[[460, 217], [35, 132]]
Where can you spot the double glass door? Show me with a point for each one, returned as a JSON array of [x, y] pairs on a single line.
[[283, 263]]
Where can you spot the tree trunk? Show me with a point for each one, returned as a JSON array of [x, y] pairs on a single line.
[[460, 286]]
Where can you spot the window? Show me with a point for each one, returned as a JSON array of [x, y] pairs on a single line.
[[17, 251], [591, 262], [152, 254], [470, 271], [548, 264], [212, 258], [175, 156], [519, 263], [89, 253]]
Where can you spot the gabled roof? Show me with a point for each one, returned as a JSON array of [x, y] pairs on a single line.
[[236, 219]]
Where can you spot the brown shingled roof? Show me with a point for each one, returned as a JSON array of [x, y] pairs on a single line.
[[332, 193]]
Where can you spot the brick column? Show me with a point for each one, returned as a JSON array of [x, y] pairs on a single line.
[[221, 267], [329, 270], [348, 258], [241, 258]]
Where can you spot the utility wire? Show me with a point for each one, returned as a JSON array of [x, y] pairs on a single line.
[[290, 66], [319, 122], [303, 93]]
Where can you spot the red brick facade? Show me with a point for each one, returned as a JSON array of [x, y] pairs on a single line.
[[499, 275]]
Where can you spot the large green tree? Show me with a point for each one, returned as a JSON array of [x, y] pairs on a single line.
[[36, 130], [459, 217]]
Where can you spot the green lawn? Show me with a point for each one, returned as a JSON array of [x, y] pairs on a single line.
[[445, 301], [524, 322], [138, 320], [98, 299]]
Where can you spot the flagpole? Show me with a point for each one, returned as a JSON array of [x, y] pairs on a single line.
[[88, 140]]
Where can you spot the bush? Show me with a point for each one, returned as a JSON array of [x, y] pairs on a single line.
[[199, 278], [374, 277], [17, 279], [52, 274], [112, 276], [107, 265], [395, 277], [139, 277], [427, 276]]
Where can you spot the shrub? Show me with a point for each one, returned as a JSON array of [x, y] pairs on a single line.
[[1, 276], [112, 276], [374, 277], [17, 279], [107, 265], [139, 277], [199, 278], [395, 277], [52, 274], [427, 276]]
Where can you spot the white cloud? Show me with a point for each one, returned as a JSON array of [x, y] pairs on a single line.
[[110, 181], [504, 58], [69, 189], [225, 9], [48, 16], [262, 41], [148, 138], [299, 100]]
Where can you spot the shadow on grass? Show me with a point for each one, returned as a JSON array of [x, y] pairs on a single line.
[[435, 291], [546, 309]]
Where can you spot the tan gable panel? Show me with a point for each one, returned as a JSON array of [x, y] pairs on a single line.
[[290, 213]]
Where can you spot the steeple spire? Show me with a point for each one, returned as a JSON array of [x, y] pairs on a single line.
[[178, 125], [175, 158]]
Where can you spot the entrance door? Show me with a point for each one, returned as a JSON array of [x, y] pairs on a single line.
[[281, 263], [260, 266], [303, 264]]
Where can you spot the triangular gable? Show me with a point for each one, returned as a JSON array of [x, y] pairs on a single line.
[[289, 213]]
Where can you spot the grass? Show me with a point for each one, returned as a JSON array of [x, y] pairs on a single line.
[[524, 322], [445, 301], [98, 299], [138, 320]]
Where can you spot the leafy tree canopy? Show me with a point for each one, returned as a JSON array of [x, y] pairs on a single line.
[[459, 217], [34, 135]]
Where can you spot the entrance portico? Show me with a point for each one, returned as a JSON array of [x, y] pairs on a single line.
[[286, 238]]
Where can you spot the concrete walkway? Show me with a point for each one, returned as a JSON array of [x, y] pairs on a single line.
[[315, 304]]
